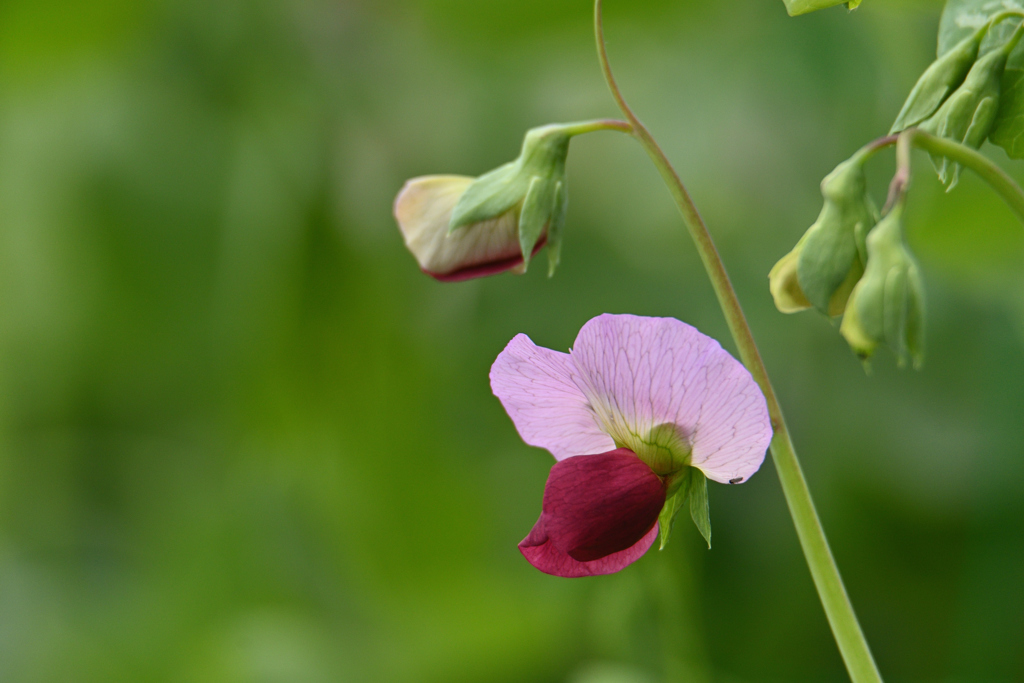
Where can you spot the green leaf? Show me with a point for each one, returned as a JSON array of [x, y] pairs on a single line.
[[795, 7], [959, 19]]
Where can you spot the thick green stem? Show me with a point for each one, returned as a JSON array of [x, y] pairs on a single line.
[[847, 631]]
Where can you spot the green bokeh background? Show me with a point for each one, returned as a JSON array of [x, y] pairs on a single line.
[[243, 439]]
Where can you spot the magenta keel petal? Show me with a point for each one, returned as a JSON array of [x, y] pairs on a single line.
[[542, 554], [595, 506]]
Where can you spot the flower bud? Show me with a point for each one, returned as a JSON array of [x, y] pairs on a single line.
[[887, 305], [970, 112], [459, 227], [943, 76], [532, 188], [829, 259]]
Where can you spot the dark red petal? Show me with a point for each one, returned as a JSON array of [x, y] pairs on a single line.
[[542, 554], [484, 269], [595, 506]]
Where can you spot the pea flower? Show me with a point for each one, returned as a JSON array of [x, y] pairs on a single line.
[[637, 415]]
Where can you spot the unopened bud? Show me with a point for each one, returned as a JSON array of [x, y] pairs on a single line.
[[829, 259], [532, 187], [459, 227], [887, 306]]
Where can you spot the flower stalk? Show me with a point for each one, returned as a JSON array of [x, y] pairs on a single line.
[[835, 601]]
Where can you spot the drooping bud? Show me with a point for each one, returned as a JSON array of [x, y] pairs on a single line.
[[423, 210], [968, 115], [459, 227], [829, 259], [532, 188], [887, 306], [941, 78]]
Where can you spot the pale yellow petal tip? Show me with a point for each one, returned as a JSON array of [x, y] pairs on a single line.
[[784, 286], [418, 195]]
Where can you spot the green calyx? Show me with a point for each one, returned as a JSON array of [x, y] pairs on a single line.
[[941, 78], [533, 186], [667, 451], [687, 487], [796, 7], [829, 259], [888, 305]]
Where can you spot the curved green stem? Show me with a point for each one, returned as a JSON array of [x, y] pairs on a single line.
[[581, 127], [968, 157], [841, 617]]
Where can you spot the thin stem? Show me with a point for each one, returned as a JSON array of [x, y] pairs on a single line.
[[581, 127], [990, 172], [836, 603]]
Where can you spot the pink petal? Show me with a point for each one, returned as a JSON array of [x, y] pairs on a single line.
[[643, 372], [600, 514], [538, 390]]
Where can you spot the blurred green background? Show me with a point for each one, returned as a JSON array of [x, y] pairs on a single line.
[[243, 439]]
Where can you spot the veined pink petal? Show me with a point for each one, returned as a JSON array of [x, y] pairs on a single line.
[[639, 373], [423, 209], [538, 390]]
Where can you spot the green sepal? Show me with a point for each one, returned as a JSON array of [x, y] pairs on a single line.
[[491, 195], [538, 206], [699, 509], [940, 79], [687, 486], [556, 226], [830, 260], [797, 7]]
